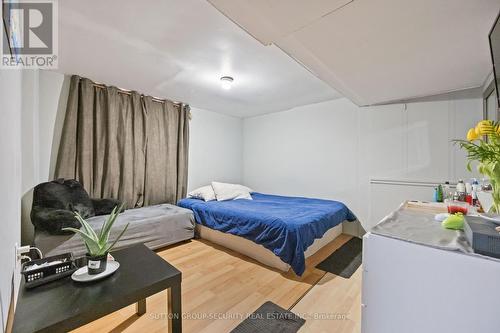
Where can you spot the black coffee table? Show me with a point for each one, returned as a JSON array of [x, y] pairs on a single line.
[[64, 305]]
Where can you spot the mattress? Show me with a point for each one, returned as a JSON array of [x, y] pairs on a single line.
[[155, 226], [287, 226]]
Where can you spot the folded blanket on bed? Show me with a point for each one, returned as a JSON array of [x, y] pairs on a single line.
[[285, 225]]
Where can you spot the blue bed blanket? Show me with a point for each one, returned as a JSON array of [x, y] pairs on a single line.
[[285, 225]]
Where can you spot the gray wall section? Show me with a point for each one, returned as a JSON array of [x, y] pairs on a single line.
[[44, 103], [10, 182], [353, 228]]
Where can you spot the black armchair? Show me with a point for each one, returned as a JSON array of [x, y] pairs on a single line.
[[55, 202]]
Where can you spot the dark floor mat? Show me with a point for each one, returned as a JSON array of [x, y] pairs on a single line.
[[270, 318], [345, 260]]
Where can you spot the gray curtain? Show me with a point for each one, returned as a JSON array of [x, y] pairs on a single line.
[[124, 146]]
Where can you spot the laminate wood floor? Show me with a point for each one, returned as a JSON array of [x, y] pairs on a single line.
[[220, 287]]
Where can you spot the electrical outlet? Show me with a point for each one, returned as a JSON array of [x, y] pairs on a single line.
[[19, 251]]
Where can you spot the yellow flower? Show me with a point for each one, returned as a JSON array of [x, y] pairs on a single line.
[[472, 135], [484, 127]]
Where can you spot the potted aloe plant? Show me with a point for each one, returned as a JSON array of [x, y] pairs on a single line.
[[483, 145], [97, 243]]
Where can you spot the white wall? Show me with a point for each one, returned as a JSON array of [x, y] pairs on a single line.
[[10, 182], [307, 151], [332, 150], [417, 146], [53, 97], [214, 148]]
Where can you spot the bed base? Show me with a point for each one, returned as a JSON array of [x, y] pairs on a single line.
[[259, 252]]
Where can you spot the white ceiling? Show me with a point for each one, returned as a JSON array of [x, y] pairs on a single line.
[[179, 50], [377, 51]]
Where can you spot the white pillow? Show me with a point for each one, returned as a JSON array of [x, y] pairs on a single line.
[[225, 191], [205, 193]]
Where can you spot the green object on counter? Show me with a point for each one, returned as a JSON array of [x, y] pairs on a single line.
[[454, 221], [440, 193]]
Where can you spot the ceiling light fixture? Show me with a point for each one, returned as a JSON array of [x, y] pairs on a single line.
[[226, 82]]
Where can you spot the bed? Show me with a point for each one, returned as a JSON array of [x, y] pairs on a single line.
[[276, 230]]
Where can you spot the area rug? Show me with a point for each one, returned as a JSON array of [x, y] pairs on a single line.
[[345, 260], [270, 318]]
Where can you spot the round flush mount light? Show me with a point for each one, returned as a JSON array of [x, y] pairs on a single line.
[[226, 82]]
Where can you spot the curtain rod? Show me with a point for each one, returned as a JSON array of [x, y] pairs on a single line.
[[129, 92]]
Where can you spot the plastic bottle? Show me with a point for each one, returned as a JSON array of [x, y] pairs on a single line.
[[468, 193], [461, 190], [447, 193], [475, 189]]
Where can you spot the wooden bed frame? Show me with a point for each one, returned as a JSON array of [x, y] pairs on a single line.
[[259, 252]]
